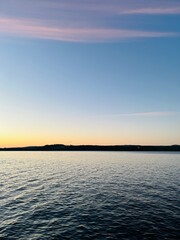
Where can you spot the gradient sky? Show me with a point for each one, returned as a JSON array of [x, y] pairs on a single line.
[[89, 72]]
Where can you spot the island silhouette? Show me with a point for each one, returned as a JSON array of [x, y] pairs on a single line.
[[62, 147]]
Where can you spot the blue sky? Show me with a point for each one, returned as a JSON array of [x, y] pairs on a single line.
[[89, 72]]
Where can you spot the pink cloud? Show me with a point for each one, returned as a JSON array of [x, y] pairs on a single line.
[[82, 8], [80, 20], [152, 11], [38, 29]]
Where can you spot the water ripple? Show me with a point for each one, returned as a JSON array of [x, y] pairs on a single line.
[[73, 195]]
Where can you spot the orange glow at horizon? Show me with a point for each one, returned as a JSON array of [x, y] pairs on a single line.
[[22, 140]]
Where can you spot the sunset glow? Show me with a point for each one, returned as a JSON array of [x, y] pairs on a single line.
[[89, 72]]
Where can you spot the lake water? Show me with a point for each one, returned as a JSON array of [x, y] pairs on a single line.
[[89, 195]]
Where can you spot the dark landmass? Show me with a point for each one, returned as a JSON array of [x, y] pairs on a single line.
[[62, 147]]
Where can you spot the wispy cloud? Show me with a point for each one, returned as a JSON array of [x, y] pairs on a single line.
[[154, 11], [40, 7], [82, 20], [147, 114], [141, 114], [38, 29], [117, 6]]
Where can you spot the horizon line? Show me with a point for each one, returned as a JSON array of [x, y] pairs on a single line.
[[99, 145]]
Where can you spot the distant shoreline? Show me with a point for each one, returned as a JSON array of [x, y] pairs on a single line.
[[62, 147]]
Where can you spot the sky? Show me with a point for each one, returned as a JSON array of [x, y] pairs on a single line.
[[101, 72]]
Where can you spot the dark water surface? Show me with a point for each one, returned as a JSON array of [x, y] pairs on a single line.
[[89, 195]]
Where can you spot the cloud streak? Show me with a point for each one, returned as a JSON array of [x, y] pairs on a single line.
[[154, 11], [142, 114], [40, 30], [82, 20], [117, 6], [111, 6]]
